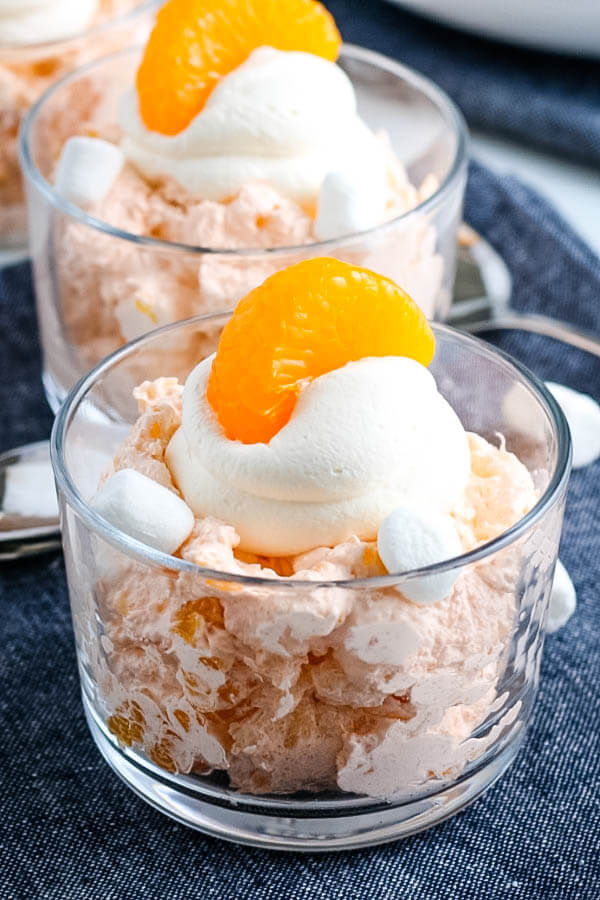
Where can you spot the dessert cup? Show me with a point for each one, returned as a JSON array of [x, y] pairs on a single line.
[[26, 71], [137, 654], [88, 272]]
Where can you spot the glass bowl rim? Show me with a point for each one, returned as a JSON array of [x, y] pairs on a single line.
[[133, 548], [97, 28], [449, 111]]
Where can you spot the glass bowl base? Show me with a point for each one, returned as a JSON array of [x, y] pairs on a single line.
[[280, 827]]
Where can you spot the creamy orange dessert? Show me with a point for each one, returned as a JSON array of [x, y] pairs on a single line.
[[240, 133], [310, 455], [39, 42]]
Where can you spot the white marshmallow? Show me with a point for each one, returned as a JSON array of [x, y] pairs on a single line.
[[410, 539], [87, 169], [583, 415], [349, 201], [563, 599], [144, 510], [140, 314]]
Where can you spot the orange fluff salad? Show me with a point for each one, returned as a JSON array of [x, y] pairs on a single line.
[[238, 132], [314, 448]]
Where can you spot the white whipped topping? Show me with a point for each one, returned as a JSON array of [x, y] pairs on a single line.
[[287, 118], [399, 761], [410, 538], [298, 623], [362, 440], [382, 640], [36, 21]]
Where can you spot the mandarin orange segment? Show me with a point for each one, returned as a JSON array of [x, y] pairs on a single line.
[[306, 320], [196, 42]]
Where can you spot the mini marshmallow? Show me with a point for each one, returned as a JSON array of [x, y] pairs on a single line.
[[583, 415], [410, 539], [563, 599], [144, 510], [87, 169], [139, 314], [349, 202]]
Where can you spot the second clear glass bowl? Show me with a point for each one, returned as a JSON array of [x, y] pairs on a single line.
[[91, 277], [26, 71]]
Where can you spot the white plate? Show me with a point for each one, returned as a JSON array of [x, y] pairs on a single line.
[[565, 25]]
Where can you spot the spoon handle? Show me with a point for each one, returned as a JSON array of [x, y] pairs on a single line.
[[15, 550], [538, 324]]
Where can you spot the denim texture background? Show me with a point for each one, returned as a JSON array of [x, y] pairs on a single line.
[[541, 98], [70, 830]]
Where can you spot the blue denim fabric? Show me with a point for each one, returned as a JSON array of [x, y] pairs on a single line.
[[70, 830], [539, 98]]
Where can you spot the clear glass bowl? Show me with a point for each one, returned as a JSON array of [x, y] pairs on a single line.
[[164, 707], [90, 277], [27, 71]]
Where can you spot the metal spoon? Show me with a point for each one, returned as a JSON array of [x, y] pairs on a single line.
[[28, 511], [482, 296]]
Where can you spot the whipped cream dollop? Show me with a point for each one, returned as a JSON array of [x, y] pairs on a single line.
[[362, 440], [284, 117], [36, 21]]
